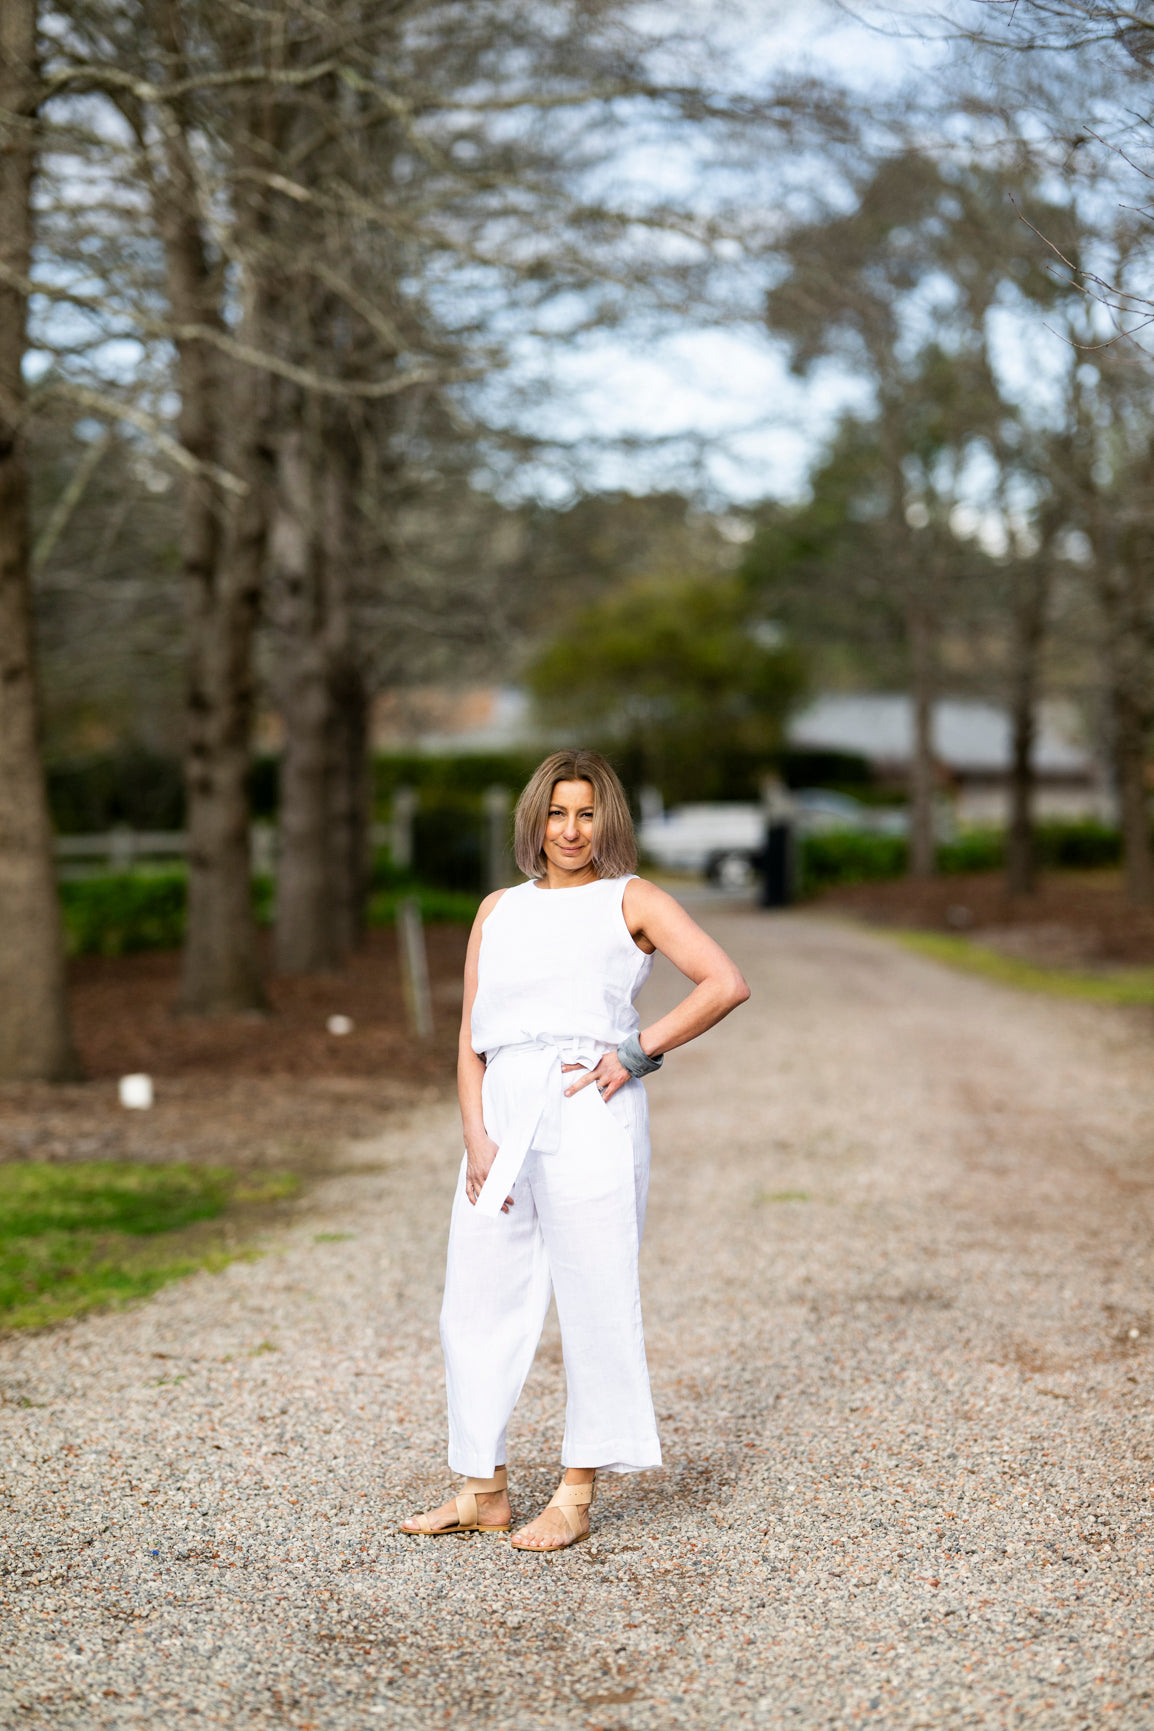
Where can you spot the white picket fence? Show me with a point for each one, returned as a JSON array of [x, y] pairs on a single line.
[[126, 850]]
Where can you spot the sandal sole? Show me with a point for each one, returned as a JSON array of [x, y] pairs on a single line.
[[450, 1532]]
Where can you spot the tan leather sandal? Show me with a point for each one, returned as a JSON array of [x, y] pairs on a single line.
[[566, 1498], [468, 1518]]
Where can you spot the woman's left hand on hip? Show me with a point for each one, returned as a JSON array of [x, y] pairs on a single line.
[[608, 1075]]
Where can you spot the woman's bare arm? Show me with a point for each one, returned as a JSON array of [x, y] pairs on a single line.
[[657, 922], [480, 1148], [718, 983]]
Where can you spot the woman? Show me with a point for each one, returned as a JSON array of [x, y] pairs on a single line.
[[552, 1192]]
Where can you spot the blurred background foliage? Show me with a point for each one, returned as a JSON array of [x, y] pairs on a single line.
[[680, 678], [351, 456]]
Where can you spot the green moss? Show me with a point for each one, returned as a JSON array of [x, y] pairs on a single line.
[[1132, 986], [75, 1238]]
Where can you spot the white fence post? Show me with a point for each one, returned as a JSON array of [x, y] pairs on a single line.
[[415, 966], [400, 827], [498, 859]]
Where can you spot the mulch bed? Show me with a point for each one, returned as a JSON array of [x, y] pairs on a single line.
[[254, 1090], [1075, 919]]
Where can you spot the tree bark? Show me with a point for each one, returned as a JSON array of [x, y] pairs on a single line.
[[222, 542], [222, 971], [1121, 554], [922, 745], [35, 1042], [1127, 660], [323, 878], [349, 695], [304, 934], [1130, 729], [350, 805], [1028, 629]]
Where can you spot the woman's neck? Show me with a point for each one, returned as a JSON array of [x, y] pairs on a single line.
[[557, 878]]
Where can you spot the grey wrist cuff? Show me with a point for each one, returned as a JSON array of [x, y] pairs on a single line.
[[632, 1057]]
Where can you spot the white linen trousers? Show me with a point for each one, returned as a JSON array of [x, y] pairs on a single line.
[[578, 1171]]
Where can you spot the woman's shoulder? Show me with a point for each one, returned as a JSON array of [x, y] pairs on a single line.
[[488, 903], [639, 889], [643, 900], [491, 901]]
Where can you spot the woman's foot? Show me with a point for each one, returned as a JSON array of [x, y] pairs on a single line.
[[564, 1521], [481, 1506]]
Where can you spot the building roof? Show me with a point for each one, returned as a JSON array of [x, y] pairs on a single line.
[[969, 737]]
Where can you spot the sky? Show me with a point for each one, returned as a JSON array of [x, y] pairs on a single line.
[[730, 389]]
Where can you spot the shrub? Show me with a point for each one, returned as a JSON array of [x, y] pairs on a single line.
[[119, 915], [455, 907], [1078, 845], [843, 856], [142, 789], [975, 850], [114, 916]]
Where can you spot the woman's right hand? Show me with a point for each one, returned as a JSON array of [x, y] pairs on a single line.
[[480, 1153]]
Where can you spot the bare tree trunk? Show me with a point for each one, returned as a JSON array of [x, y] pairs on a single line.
[[1121, 584], [222, 539], [1130, 729], [222, 970], [349, 736], [922, 754], [304, 937], [34, 1034], [323, 880], [1028, 630], [350, 806]]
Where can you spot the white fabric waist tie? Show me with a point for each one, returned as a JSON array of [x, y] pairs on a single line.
[[536, 1120]]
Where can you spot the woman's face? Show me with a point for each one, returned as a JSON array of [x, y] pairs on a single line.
[[568, 843]]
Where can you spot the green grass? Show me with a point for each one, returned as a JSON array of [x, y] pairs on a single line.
[[1132, 986], [75, 1238]]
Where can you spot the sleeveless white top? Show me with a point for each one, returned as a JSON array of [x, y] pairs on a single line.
[[558, 968]]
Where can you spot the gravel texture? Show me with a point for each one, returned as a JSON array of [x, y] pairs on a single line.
[[897, 1283]]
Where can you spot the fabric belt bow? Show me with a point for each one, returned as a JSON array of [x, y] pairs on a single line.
[[535, 1124]]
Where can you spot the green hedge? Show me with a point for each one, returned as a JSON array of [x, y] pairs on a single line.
[[849, 857], [1078, 846], [115, 916], [977, 850], [852, 857], [453, 907], [119, 915]]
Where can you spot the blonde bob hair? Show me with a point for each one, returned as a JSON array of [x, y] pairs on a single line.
[[614, 843]]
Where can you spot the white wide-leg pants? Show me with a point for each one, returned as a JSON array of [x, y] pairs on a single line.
[[574, 1230]]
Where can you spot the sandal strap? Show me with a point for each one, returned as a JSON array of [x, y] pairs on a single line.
[[498, 1482], [569, 1497], [467, 1515]]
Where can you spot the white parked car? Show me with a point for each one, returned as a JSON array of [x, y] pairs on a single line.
[[723, 841], [820, 808], [717, 840]]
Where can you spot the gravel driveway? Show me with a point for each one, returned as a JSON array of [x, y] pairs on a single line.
[[897, 1283]]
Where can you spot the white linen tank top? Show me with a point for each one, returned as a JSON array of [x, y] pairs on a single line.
[[558, 968]]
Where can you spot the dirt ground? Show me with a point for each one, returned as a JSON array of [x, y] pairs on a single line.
[[896, 1278], [1076, 919], [264, 1090]]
